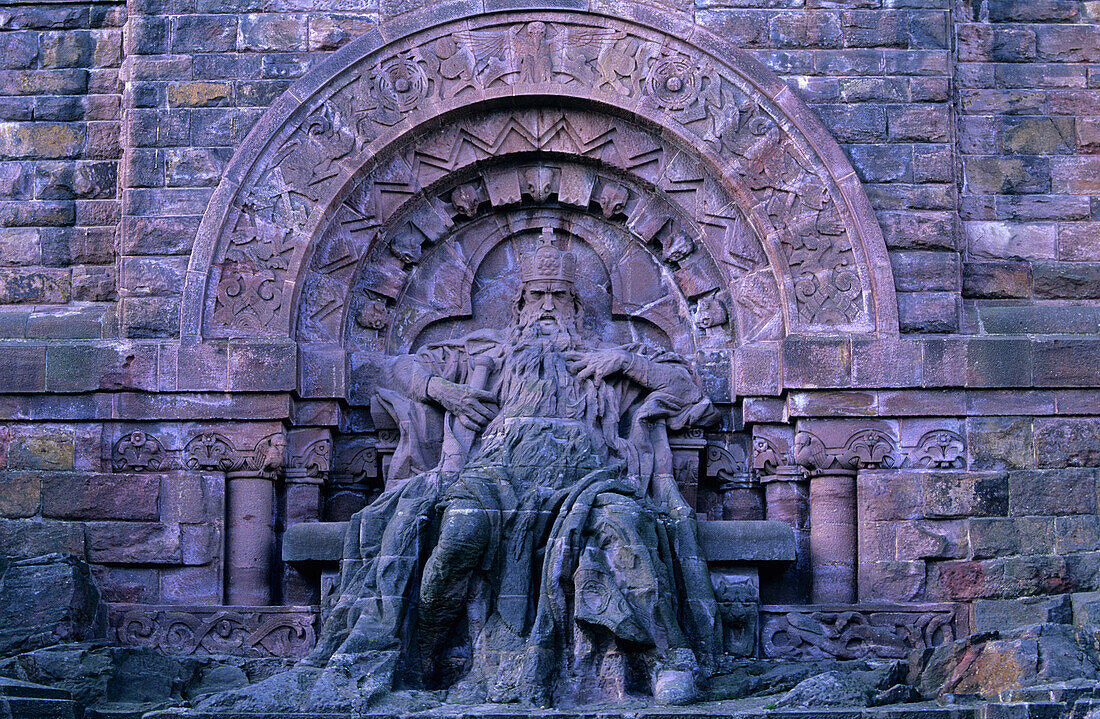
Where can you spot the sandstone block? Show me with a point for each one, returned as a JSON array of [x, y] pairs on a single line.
[[133, 543], [44, 213], [889, 495], [195, 167], [1033, 10], [199, 94], [1076, 533], [81, 495], [34, 537], [999, 363], [1016, 44], [272, 32], [881, 163], [996, 280], [45, 140], [20, 494], [811, 29], [44, 82], [918, 123], [1067, 280], [928, 312], [330, 31], [41, 448], [1000, 442], [932, 539], [72, 48], [817, 362], [963, 494], [94, 284], [262, 367], [1068, 43], [26, 368], [1077, 241], [192, 585], [991, 615], [1067, 362], [18, 50], [1035, 135], [924, 271], [1008, 175], [34, 286], [1067, 442], [146, 317], [1061, 492], [964, 580], [892, 581], [158, 235], [204, 33], [153, 276], [147, 35], [854, 123], [916, 230], [20, 246]]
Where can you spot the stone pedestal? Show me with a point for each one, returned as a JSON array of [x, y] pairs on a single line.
[[833, 536], [250, 537]]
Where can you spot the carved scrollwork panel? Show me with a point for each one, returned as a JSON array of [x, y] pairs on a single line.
[[240, 631]]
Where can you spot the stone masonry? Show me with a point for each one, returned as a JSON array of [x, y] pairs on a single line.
[[951, 459]]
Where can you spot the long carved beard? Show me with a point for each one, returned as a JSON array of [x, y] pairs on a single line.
[[537, 381]]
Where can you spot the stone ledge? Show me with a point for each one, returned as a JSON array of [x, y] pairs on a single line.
[[721, 541]]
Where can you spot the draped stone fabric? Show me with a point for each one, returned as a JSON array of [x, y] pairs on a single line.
[[590, 548]]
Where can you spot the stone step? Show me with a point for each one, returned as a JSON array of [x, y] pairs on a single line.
[[24, 708], [1083, 708], [33, 701], [1025, 710], [117, 711]]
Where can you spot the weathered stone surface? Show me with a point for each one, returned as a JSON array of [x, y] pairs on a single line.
[[133, 543], [1001, 660], [79, 495], [47, 600]]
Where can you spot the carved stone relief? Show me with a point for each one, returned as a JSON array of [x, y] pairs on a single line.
[[776, 194]]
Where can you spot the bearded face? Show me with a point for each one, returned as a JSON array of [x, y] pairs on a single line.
[[547, 308]]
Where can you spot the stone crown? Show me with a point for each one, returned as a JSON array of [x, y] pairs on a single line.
[[548, 263]]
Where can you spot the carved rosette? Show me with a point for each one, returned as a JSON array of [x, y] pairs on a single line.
[[139, 452], [340, 173]]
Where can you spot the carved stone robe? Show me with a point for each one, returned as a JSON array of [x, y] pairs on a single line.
[[588, 527]]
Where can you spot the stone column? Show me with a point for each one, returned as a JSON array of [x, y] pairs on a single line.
[[250, 524], [833, 536], [310, 453], [249, 537], [833, 540], [785, 500]]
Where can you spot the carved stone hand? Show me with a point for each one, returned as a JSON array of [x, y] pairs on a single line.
[[598, 364], [469, 405]]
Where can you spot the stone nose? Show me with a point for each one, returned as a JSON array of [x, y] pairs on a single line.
[[548, 302]]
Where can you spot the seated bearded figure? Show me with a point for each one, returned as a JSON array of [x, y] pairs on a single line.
[[548, 557]]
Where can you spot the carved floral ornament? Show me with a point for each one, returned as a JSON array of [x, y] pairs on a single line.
[[758, 188], [849, 448]]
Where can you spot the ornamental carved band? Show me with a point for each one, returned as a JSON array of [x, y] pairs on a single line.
[[360, 208]]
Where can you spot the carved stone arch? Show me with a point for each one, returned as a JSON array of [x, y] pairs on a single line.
[[313, 150]]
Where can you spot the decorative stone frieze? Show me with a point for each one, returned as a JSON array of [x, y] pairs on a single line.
[[856, 631], [243, 631]]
